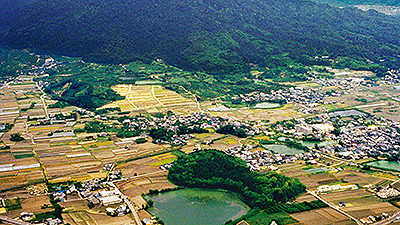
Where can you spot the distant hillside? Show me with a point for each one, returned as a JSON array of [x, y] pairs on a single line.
[[216, 36], [360, 2]]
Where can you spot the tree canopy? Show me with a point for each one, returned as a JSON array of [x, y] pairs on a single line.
[[216, 36], [215, 169]]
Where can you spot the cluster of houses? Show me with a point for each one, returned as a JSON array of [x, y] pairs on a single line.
[[195, 119], [360, 136], [343, 84], [97, 194], [37, 189], [372, 219], [25, 216], [366, 136], [265, 159], [387, 193], [291, 95], [392, 77], [313, 110]]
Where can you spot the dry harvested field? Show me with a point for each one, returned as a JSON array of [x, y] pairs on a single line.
[[139, 167], [303, 177], [60, 170], [12, 181], [33, 204], [44, 130], [76, 205], [371, 209], [6, 158], [208, 136], [173, 101], [323, 178], [322, 217], [137, 150], [152, 99], [222, 144], [286, 112], [359, 193], [19, 127], [356, 177], [21, 193], [136, 186], [105, 155], [306, 198], [33, 175], [108, 220], [287, 167]]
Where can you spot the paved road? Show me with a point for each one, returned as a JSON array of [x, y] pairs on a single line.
[[335, 208], [133, 210], [126, 199], [129, 203]]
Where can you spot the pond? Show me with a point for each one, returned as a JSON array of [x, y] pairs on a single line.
[[144, 82], [266, 105], [351, 112], [391, 165], [197, 207], [282, 149], [316, 170]]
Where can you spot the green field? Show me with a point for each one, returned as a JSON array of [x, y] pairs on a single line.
[[264, 218]]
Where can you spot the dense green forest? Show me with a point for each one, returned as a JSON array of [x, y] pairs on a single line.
[[82, 84], [215, 169], [14, 62], [216, 36]]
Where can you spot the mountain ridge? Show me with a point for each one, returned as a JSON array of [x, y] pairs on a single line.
[[216, 36]]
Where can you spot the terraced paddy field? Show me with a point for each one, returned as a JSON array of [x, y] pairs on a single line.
[[151, 98], [9, 109]]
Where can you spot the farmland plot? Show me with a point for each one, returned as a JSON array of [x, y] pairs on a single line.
[[321, 217], [151, 99]]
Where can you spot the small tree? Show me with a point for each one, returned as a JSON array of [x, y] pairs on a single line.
[[16, 137]]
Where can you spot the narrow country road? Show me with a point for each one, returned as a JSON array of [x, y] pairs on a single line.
[[127, 97], [154, 96], [194, 96], [335, 208]]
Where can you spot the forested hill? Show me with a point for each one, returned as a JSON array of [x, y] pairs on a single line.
[[216, 36]]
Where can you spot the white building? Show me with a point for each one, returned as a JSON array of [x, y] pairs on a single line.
[[110, 200]]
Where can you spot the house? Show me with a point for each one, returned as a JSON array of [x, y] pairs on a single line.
[[109, 200], [304, 129], [323, 128]]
